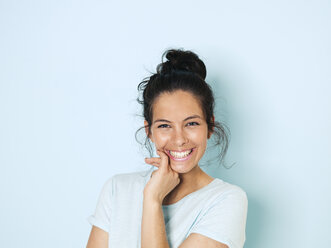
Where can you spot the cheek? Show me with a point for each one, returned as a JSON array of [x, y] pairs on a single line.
[[198, 136], [161, 139]]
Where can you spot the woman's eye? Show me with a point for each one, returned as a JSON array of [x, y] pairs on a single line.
[[163, 126], [192, 124]]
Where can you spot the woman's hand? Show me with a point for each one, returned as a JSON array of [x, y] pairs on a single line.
[[163, 180]]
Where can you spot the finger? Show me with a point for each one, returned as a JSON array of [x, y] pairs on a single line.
[[158, 160], [164, 159], [154, 158], [153, 173], [162, 154], [153, 161], [156, 165]]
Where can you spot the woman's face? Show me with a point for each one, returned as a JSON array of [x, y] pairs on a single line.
[[179, 129]]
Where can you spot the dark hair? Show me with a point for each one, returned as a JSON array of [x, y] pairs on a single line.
[[183, 70]]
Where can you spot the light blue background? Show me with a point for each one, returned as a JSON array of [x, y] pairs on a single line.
[[68, 77]]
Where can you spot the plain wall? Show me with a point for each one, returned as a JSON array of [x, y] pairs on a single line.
[[68, 114]]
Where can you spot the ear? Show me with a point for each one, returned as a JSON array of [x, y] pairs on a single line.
[[211, 132], [147, 131]]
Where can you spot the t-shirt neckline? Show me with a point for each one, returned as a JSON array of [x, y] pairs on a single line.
[[190, 195]]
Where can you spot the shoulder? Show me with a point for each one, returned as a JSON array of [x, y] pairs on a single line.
[[122, 184], [131, 177], [126, 179], [223, 214], [224, 191]]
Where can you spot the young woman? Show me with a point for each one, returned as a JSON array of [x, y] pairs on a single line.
[[176, 204]]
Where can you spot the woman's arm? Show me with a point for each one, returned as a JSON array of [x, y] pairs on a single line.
[[162, 182], [98, 238], [153, 233], [196, 240]]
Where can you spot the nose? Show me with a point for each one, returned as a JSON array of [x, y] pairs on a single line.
[[180, 138]]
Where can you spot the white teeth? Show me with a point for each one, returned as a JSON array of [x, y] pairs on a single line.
[[180, 154]]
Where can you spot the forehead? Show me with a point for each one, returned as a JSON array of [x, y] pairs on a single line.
[[176, 105]]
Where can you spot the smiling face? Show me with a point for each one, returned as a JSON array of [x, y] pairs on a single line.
[[179, 129]]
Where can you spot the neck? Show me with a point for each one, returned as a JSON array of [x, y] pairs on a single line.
[[191, 177]]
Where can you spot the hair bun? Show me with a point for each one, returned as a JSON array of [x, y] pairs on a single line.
[[180, 60]]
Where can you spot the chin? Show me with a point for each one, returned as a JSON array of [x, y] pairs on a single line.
[[181, 167]]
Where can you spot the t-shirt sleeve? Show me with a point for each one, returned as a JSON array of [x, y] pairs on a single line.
[[225, 219], [101, 216]]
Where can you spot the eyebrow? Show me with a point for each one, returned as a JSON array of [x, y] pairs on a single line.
[[187, 118]]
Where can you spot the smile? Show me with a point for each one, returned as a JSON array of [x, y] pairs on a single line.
[[180, 156]]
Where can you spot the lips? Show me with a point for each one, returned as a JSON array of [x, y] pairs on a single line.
[[180, 155]]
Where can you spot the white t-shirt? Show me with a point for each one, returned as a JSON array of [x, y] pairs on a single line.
[[218, 211]]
